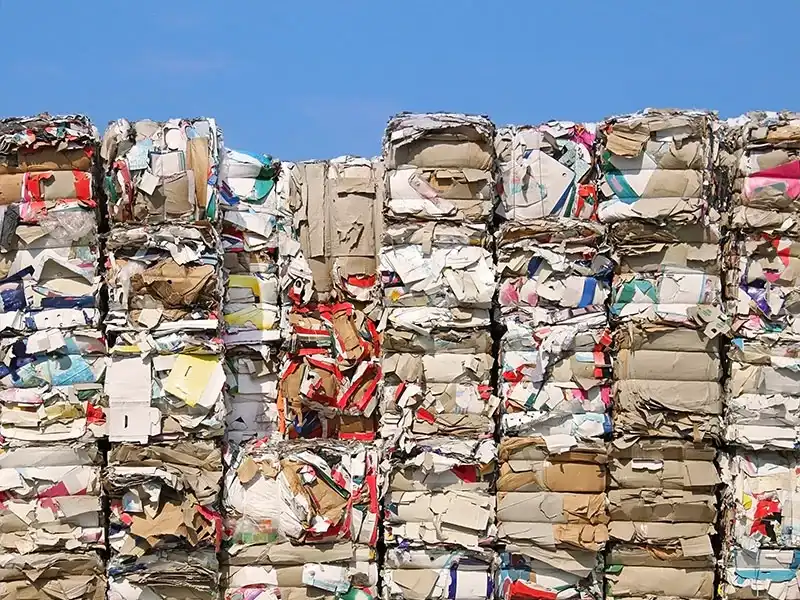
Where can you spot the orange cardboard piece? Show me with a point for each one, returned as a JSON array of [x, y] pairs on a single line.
[[546, 476], [197, 161]]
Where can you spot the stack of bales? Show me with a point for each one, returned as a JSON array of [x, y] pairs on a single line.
[[762, 412], [657, 195], [555, 364], [166, 378], [438, 416], [301, 499], [52, 408]]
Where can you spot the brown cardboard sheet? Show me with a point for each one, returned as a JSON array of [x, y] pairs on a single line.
[[663, 583]]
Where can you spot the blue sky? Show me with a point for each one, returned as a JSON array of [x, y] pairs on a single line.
[[316, 79]]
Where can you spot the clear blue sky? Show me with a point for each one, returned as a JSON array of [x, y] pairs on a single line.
[[315, 79]]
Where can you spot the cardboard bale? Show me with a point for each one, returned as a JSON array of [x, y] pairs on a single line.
[[526, 572], [656, 166], [49, 243], [52, 389], [547, 171], [327, 571], [556, 379], [438, 573], [438, 393], [667, 583], [662, 505], [51, 498], [765, 159], [331, 376], [759, 500], [164, 280], [760, 574], [762, 407], [667, 383], [162, 497], [552, 497], [331, 246], [166, 575], [162, 172], [303, 492], [439, 494], [52, 576]]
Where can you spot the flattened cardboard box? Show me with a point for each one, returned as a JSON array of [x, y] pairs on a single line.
[[336, 207]]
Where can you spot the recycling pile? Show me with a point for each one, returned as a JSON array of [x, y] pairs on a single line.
[[762, 416], [438, 416], [291, 391], [555, 368], [165, 380], [657, 197], [252, 220], [52, 411]]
